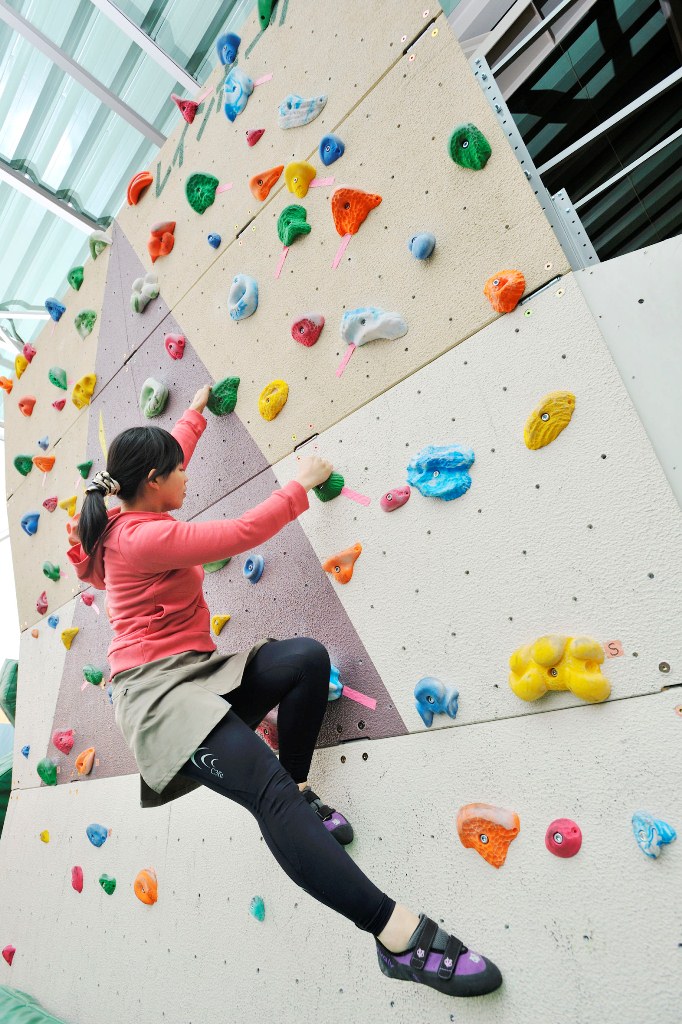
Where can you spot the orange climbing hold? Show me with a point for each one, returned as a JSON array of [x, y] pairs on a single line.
[[161, 240], [137, 186], [261, 184], [85, 761], [341, 566], [43, 462], [35, 634], [350, 207], [146, 886], [26, 404], [489, 830], [504, 290], [6, 385]]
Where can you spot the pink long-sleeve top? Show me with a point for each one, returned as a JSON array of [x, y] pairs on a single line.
[[150, 565]]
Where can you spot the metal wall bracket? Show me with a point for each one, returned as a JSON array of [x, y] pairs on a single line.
[[570, 233]]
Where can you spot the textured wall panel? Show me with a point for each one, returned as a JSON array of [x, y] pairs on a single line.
[[565, 539], [575, 939]]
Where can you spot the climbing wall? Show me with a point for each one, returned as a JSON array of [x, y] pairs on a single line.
[[581, 537]]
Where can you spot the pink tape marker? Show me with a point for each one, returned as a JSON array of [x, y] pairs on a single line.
[[318, 182], [344, 362], [262, 79], [613, 649], [86, 683], [354, 496], [224, 188], [360, 698], [340, 251], [202, 97], [44, 478], [282, 258]]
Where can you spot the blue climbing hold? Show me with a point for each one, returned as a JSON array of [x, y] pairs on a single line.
[[433, 698], [441, 472], [335, 684], [331, 148], [237, 89], [242, 300], [651, 833], [97, 834], [54, 308], [253, 568], [53, 621], [214, 240], [26, 750], [29, 523], [257, 908], [44, 443], [227, 47], [110, 690], [422, 245]]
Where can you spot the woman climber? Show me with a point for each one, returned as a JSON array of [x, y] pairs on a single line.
[[188, 714]]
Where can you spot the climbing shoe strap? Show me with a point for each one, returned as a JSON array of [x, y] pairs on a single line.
[[421, 950], [453, 948], [323, 810]]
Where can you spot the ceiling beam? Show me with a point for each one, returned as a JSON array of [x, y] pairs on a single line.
[[22, 183]]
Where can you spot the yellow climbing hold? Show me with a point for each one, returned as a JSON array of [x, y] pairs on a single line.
[[298, 176], [83, 390], [69, 505], [218, 621], [548, 419], [68, 635], [559, 663], [45, 836], [20, 364], [273, 398]]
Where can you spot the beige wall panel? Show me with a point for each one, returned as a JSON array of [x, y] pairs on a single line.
[[50, 542], [591, 940], [58, 344], [314, 52], [559, 540], [483, 221]]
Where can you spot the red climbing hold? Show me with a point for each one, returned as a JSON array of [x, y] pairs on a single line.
[[28, 352], [41, 604], [63, 740], [26, 404], [253, 135], [88, 599], [188, 108], [59, 405], [50, 504], [8, 953], [77, 878], [175, 345]]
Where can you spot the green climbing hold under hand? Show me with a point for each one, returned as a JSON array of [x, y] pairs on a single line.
[[215, 566], [223, 396], [331, 488], [47, 770], [200, 190], [108, 884], [292, 223]]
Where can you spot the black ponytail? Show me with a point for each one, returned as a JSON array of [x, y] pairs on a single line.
[[132, 455]]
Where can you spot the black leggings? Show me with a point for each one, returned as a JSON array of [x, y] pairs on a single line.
[[294, 674]]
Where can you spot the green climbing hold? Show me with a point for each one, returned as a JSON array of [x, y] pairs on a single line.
[[24, 463], [223, 396], [57, 376], [85, 321], [331, 488], [47, 770], [98, 241], [257, 908], [75, 278], [292, 223], [469, 147], [84, 468], [108, 884], [264, 13], [215, 566], [153, 397], [93, 675], [200, 191], [52, 571]]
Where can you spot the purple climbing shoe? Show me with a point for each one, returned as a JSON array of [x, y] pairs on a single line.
[[440, 961], [333, 820]]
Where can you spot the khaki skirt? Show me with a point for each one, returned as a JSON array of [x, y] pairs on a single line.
[[166, 708]]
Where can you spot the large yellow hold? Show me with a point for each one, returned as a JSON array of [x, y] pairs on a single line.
[[559, 663], [548, 419], [68, 635], [83, 390], [273, 398], [298, 176]]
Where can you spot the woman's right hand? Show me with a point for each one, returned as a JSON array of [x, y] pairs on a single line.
[[313, 471]]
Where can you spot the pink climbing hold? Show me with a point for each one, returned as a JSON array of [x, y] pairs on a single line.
[[8, 954], [88, 599], [50, 504], [188, 108], [253, 135], [175, 345], [63, 740], [307, 329], [396, 498], [77, 878], [29, 352], [41, 604], [59, 404]]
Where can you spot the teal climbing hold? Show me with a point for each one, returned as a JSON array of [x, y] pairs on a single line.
[[57, 376], [257, 908], [75, 278], [47, 770], [292, 223], [223, 396]]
